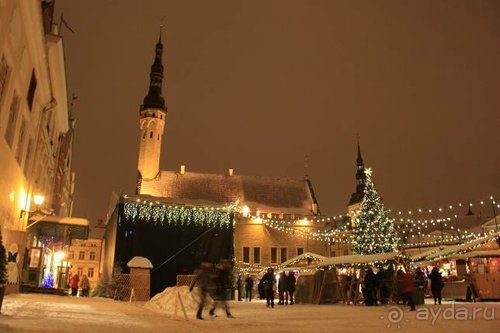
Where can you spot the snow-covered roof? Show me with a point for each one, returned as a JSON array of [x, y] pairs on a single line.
[[476, 254], [139, 262], [462, 247], [283, 194], [359, 259], [306, 255]]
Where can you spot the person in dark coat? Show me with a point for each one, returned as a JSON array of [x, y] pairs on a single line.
[[282, 289], [407, 287], [248, 288], [204, 281], [382, 286], [238, 286], [269, 281], [291, 286], [223, 286], [370, 283], [436, 285], [261, 288], [389, 280]]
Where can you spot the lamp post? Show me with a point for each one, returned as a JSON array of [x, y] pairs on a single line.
[[38, 200]]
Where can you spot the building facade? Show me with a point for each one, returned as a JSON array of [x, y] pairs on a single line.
[[84, 257], [36, 129]]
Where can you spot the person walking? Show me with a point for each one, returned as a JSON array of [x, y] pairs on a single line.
[[203, 279], [223, 284], [407, 287], [74, 282], [436, 285], [269, 281], [85, 285], [291, 286], [282, 289], [261, 288], [382, 286], [248, 288]]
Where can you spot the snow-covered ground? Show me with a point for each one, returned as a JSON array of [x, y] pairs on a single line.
[[47, 313]]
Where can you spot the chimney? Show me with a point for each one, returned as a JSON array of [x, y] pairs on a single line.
[[183, 169], [230, 172]]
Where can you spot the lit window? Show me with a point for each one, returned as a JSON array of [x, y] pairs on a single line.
[[80, 271], [81, 255], [246, 255], [256, 255]]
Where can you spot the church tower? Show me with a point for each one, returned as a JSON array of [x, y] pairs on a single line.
[[357, 197], [153, 115]]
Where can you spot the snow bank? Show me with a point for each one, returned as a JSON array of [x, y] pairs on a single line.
[[165, 301]]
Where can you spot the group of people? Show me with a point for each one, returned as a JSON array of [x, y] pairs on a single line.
[[286, 284], [213, 280], [379, 286], [83, 283]]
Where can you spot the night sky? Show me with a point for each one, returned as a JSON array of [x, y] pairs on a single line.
[[257, 85]]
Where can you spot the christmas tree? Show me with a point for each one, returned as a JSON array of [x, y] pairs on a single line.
[[3, 263], [48, 281], [374, 231]]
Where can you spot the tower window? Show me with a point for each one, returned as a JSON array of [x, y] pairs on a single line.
[[158, 136], [144, 135], [151, 134]]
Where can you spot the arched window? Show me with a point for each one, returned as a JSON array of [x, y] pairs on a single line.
[[144, 134], [151, 134], [158, 136]]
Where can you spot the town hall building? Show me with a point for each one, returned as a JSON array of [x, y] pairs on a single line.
[[270, 219]]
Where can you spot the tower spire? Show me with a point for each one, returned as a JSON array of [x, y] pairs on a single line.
[[357, 196], [154, 98]]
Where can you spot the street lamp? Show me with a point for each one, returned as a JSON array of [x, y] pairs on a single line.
[[38, 199]]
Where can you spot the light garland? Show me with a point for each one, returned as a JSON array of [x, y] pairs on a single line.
[[448, 207], [162, 214]]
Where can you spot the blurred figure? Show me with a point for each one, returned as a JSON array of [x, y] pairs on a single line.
[[382, 286], [238, 286], [436, 285], [248, 288], [74, 282], [223, 287], [269, 282], [85, 285], [203, 279], [282, 289], [407, 287], [291, 286]]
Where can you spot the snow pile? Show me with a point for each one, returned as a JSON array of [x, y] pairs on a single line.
[[165, 301]]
